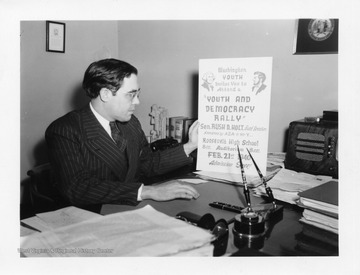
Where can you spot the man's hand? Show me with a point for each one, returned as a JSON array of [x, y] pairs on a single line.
[[192, 144], [169, 191]]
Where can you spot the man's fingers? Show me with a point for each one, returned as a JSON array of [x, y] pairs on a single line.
[[175, 189], [188, 191]]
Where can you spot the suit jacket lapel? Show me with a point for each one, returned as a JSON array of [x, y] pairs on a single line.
[[132, 150], [100, 144]]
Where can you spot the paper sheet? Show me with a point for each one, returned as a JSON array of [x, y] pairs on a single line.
[[24, 231], [193, 181], [65, 216], [234, 110], [235, 179], [36, 223], [55, 219], [286, 184], [141, 232]]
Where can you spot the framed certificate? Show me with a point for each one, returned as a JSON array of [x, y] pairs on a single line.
[[55, 37], [316, 36]]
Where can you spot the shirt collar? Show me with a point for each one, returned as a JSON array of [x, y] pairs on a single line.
[[103, 121]]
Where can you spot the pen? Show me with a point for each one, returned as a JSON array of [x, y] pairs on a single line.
[[267, 188], [246, 189], [226, 206]]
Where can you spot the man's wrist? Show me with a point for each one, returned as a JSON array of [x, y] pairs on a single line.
[[140, 190], [146, 192]]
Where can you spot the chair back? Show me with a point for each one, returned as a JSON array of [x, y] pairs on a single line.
[[44, 196]]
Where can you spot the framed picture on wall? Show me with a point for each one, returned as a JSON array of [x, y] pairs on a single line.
[[55, 37], [316, 36]]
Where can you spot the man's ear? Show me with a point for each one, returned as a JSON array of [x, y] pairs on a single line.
[[105, 94]]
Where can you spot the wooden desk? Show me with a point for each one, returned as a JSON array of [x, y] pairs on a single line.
[[288, 237]]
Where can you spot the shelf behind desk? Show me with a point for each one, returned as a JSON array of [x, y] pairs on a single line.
[[286, 238]]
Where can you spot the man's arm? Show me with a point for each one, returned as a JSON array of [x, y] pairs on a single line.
[[174, 189], [160, 162]]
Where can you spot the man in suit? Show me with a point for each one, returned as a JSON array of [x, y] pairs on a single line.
[[99, 153]]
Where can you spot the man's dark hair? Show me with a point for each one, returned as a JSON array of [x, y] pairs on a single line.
[[106, 73]]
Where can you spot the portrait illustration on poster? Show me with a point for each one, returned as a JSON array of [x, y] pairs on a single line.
[[234, 111], [259, 82], [208, 79]]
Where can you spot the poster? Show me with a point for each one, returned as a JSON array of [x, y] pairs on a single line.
[[234, 110]]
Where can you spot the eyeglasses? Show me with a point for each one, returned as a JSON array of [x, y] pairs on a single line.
[[133, 94]]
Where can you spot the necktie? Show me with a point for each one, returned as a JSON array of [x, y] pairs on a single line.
[[117, 136], [115, 132]]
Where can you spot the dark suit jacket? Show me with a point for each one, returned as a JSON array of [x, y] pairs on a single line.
[[92, 169]]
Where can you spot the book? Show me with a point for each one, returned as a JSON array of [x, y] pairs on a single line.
[[167, 127], [172, 124], [319, 234], [322, 198], [186, 126], [326, 221], [179, 129], [319, 225], [315, 247]]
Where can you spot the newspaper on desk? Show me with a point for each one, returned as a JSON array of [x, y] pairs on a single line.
[[141, 232], [286, 184]]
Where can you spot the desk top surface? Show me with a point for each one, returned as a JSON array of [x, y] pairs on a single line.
[[287, 237]]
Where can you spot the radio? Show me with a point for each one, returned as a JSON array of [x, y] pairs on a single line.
[[313, 145]]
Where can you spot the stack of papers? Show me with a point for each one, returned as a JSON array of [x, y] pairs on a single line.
[[275, 158], [286, 184], [141, 232], [320, 220]]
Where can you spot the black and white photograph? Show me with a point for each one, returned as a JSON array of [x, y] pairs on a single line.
[[205, 137]]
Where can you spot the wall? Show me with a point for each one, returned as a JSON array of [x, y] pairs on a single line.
[[51, 82], [167, 53]]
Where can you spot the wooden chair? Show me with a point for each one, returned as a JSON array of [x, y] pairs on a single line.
[[42, 191]]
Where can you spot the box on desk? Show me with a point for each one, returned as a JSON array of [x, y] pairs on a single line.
[[313, 146]]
